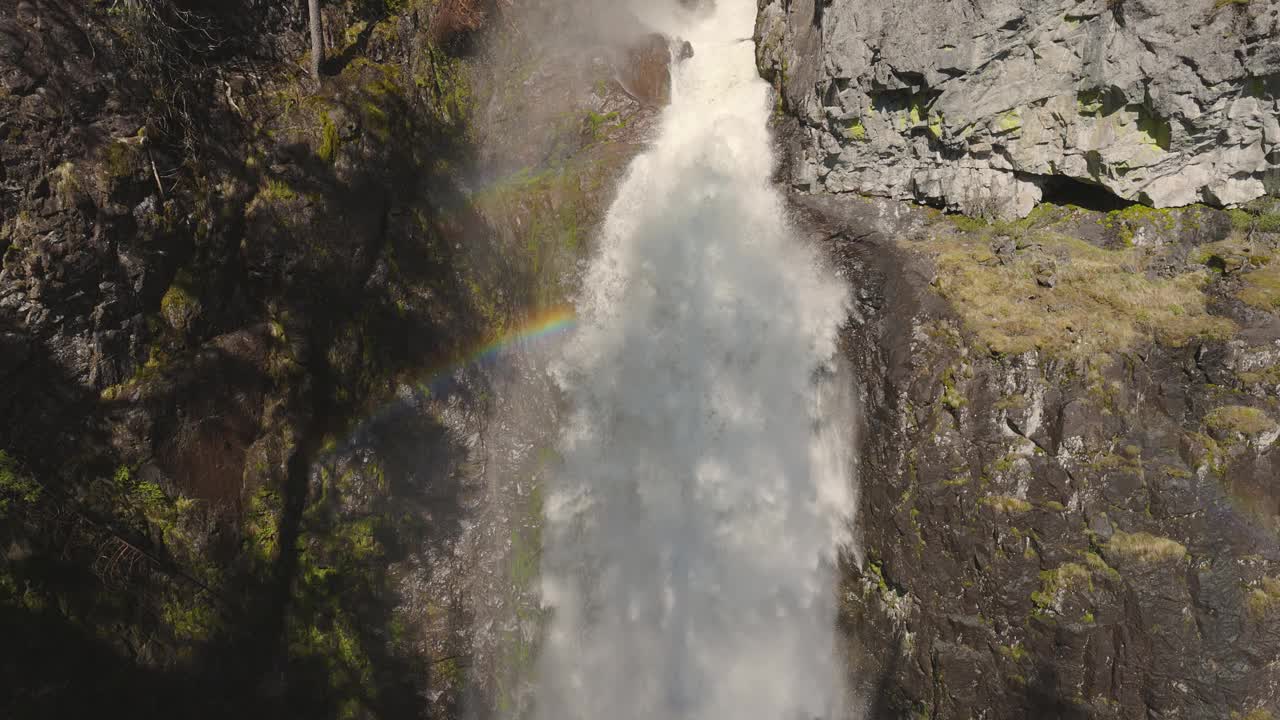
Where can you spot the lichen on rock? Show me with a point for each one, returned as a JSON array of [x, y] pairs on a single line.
[[986, 111]]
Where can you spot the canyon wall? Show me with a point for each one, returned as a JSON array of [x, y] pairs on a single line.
[[987, 107]]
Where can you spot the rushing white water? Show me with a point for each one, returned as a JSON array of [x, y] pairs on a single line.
[[691, 535]]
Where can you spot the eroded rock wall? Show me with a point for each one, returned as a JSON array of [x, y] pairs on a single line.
[[982, 107], [1055, 530]]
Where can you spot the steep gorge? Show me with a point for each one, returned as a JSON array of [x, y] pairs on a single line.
[[282, 430]]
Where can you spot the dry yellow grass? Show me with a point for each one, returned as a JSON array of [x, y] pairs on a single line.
[[1260, 601], [1255, 261], [1102, 300], [1146, 548], [1006, 504], [1240, 419], [1262, 288]]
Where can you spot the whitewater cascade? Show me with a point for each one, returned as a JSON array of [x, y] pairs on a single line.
[[692, 533]]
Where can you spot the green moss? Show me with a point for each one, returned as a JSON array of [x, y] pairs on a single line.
[[358, 539], [1264, 599], [1259, 603], [517, 652], [1239, 419], [332, 643], [1004, 463], [878, 575], [1241, 219], [1015, 652], [1261, 288], [1205, 452], [1102, 302], [1252, 259], [1099, 567], [179, 304], [16, 488], [1012, 402], [547, 214], [1162, 218], [936, 126], [1265, 376], [454, 95], [1097, 102], [1006, 504], [329, 140], [1154, 130], [189, 622], [856, 131], [969, 224], [449, 671], [951, 397], [914, 113], [598, 125], [262, 526], [150, 496], [66, 181], [1069, 577], [119, 159], [1009, 121], [277, 191]]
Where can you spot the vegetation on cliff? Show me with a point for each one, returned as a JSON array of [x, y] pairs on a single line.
[[218, 281]]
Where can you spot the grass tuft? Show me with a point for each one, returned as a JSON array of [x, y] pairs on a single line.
[[1260, 601], [1101, 301], [1006, 504], [1239, 419], [1146, 548]]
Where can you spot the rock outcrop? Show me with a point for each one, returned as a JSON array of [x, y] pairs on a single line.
[[1068, 502], [986, 108]]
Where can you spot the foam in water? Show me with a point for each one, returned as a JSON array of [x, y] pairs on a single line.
[[691, 536]]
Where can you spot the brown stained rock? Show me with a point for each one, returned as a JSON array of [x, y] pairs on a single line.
[[645, 70]]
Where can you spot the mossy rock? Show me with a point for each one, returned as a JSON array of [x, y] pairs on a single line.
[[1145, 548], [180, 306], [1235, 421]]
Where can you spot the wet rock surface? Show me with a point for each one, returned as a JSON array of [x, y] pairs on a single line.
[[645, 73], [981, 110]]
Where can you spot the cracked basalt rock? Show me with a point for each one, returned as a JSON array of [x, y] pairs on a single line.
[[986, 109]]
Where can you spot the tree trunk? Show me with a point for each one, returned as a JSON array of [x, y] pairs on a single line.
[[317, 40]]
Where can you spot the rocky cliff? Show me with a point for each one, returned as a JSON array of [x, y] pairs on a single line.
[[250, 468], [1068, 466], [245, 468], [989, 107]]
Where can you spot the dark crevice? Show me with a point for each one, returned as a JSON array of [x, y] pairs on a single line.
[[1063, 190]]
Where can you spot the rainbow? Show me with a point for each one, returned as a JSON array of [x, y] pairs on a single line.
[[539, 325], [433, 380]]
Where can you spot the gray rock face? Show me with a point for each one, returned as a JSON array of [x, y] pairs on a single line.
[[984, 106], [1030, 547]]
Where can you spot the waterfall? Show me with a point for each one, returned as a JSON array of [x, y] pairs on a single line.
[[692, 532]]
